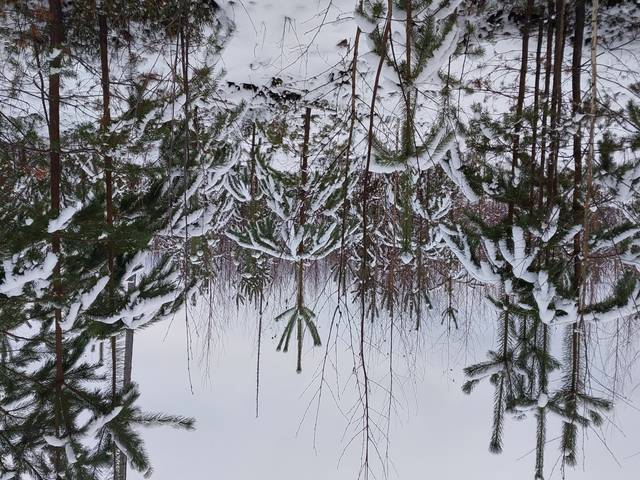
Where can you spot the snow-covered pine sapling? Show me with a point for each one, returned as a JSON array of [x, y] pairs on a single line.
[[294, 228]]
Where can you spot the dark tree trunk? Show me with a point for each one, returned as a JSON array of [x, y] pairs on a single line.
[[545, 108], [104, 126], [536, 115], [576, 98], [56, 41], [302, 220], [520, 102], [254, 180], [408, 80], [556, 101], [576, 70], [345, 183]]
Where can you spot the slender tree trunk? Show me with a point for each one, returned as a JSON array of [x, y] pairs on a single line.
[[536, 114], [586, 209], [543, 379], [57, 37], [576, 97], [520, 102], [184, 40], [342, 278], [302, 222], [556, 100], [253, 189], [408, 30], [545, 108], [569, 427], [576, 70], [592, 126], [260, 313], [184, 58], [254, 181], [409, 134], [128, 348], [105, 122], [56, 44], [541, 414], [119, 462], [41, 86], [365, 201]]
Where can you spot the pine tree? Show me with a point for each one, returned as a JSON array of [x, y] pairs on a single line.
[[299, 229], [522, 254], [66, 274]]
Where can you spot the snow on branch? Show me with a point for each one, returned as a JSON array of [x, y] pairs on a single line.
[[13, 284]]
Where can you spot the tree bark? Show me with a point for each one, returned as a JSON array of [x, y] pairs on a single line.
[[342, 283], [536, 115], [302, 194], [57, 37], [576, 70], [556, 101], [408, 80], [105, 122], [522, 85], [365, 200], [545, 108], [592, 124]]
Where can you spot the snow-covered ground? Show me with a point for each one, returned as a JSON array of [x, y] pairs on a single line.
[[436, 430]]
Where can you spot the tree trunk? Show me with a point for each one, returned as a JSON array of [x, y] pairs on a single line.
[[576, 70], [184, 47], [342, 283], [56, 44], [104, 126], [592, 124], [576, 100], [545, 108], [520, 102], [302, 193], [364, 267], [536, 115], [409, 134], [254, 180], [556, 101]]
